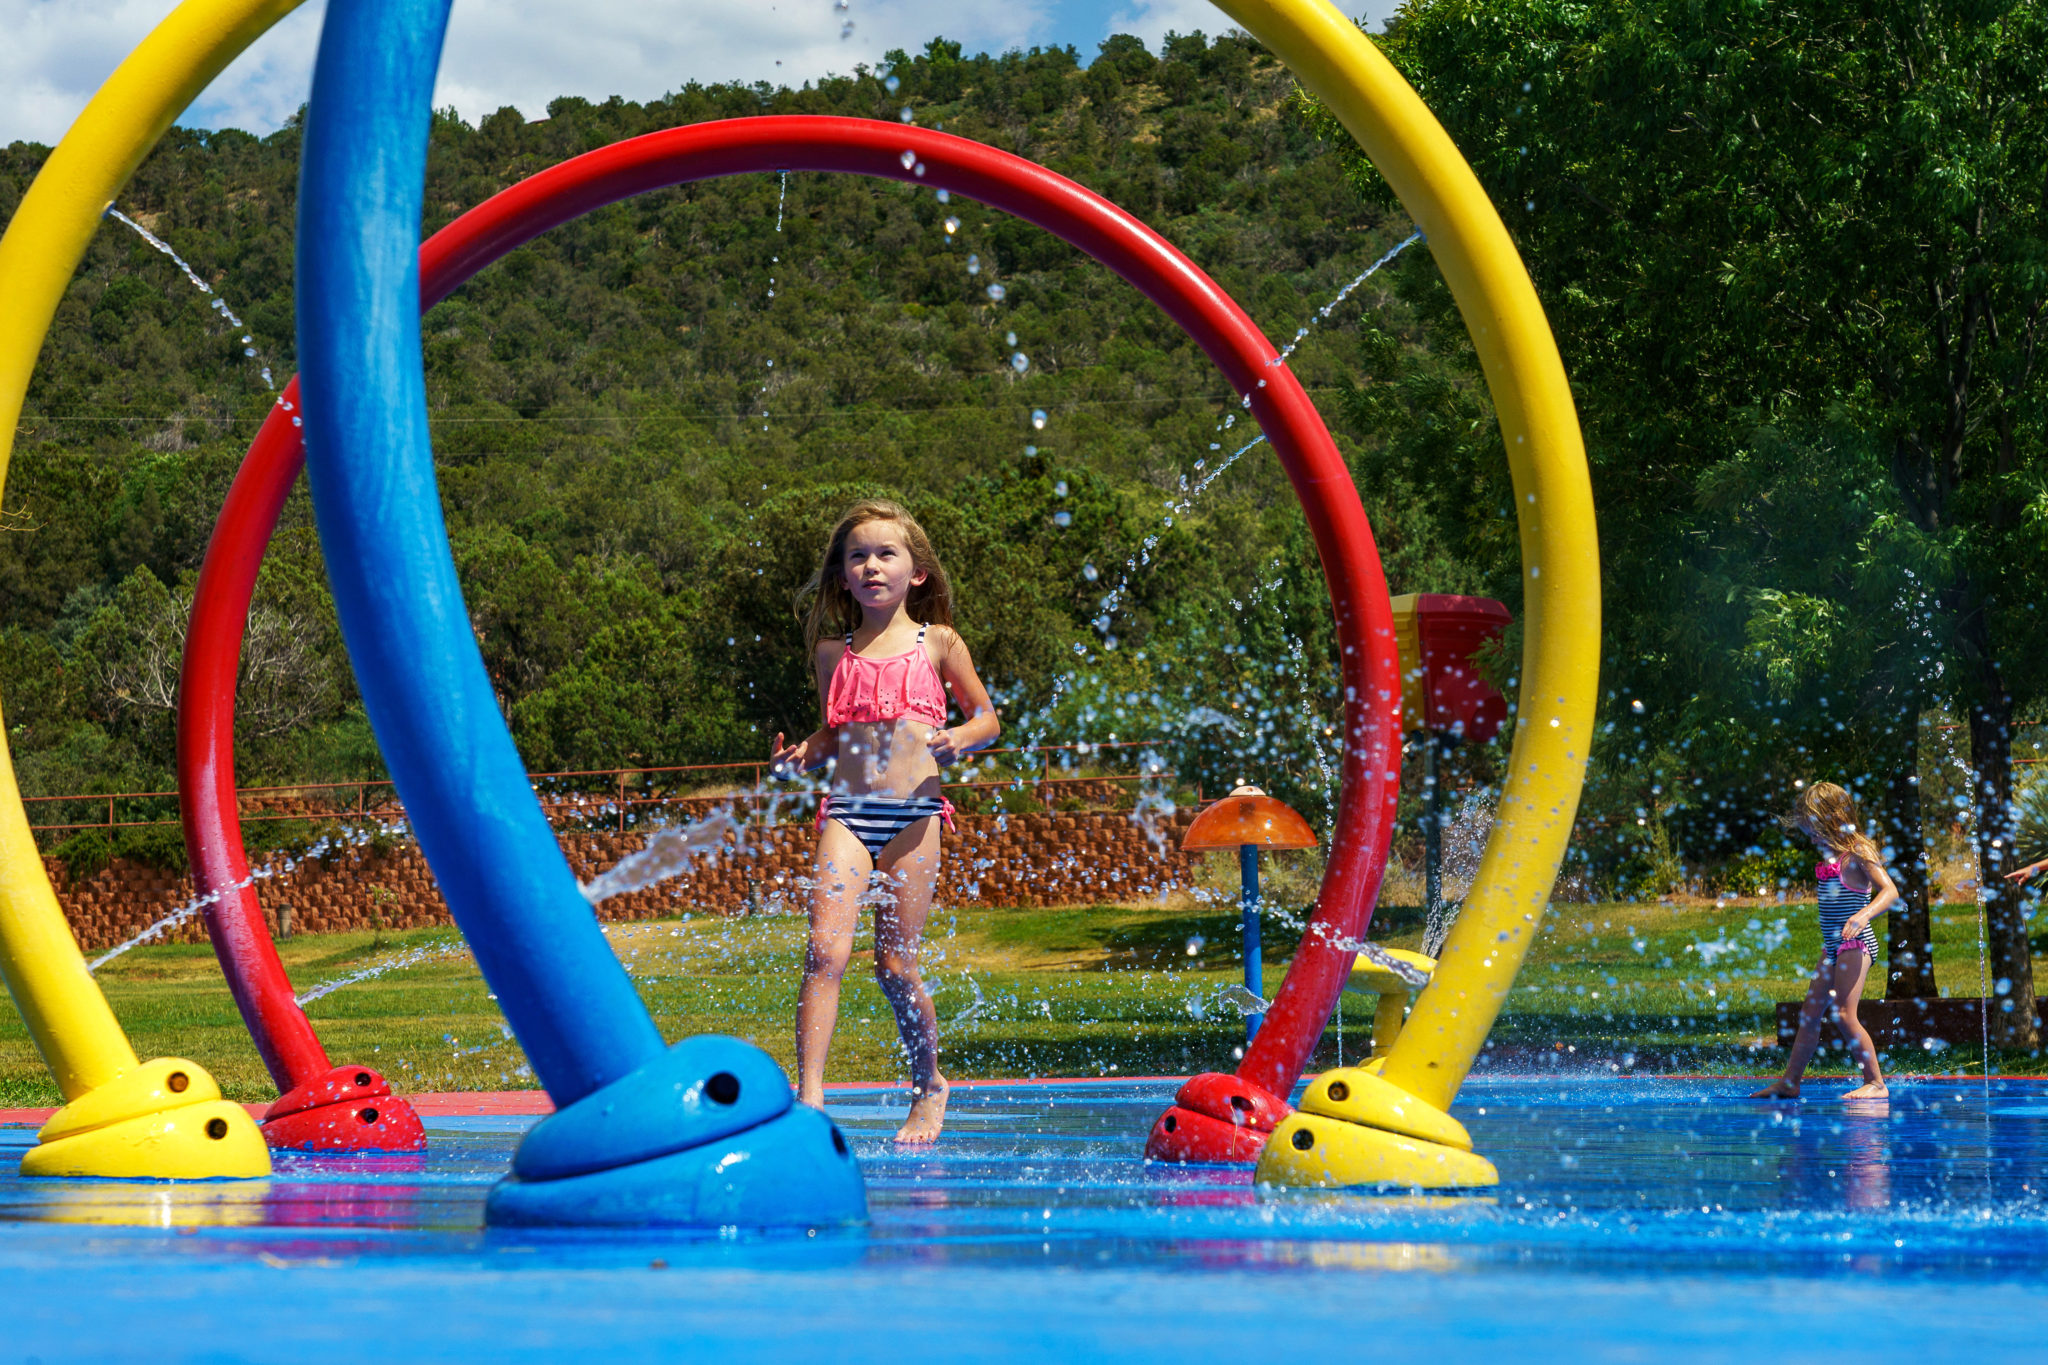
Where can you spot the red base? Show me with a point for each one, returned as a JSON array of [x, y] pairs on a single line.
[[350, 1109], [1216, 1118]]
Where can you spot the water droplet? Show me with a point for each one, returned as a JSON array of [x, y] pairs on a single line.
[[974, 265], [1063, 519], [1009, 338], [1195, 945], [1030, 450], [918, 170], [1090, 572], [1038, 419], [945, 196], [908, 159], [1059, 490], [996, 292], [891, 85], [905, 114], [952, 224], [846, 29], [1019, 361], [1109, 642]]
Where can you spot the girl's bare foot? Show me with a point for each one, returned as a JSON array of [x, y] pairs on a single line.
[[1780, 1089], [1872, 1090], [927, 1114]]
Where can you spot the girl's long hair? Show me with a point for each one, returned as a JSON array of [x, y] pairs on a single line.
[[1831, 814], [832, 610]]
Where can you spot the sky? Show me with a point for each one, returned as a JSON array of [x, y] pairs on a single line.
[[527, 52]]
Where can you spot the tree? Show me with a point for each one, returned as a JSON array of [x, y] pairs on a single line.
[[1746, 217]]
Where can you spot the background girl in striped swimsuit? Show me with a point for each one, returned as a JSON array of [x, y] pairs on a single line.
[[1854, 890], [885, 653]]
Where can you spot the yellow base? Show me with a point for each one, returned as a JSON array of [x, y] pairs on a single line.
[[1315, 1151], [1361, 1096], [1356, 1128], [1369, 978], [162, 1120]]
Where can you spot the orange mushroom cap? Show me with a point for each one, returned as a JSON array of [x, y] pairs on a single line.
[[1248, 816]]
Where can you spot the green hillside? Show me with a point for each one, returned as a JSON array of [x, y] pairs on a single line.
[[631, 527]]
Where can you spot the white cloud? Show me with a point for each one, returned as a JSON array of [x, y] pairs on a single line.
[[526, 52], [1152, 20], [266, 84], [56, 53], [499, 52]]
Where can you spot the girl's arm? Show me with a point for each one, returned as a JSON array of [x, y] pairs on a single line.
[[817, 748], [980, 729], [2024, 873], [1884, 895]]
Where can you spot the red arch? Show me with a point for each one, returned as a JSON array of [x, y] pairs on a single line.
[[1358, 591]]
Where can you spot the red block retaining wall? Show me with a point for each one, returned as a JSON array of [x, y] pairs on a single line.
[[1025, 860]]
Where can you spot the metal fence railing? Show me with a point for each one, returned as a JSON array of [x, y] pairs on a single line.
[[589, 799]]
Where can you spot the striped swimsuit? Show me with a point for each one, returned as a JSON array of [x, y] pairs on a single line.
[[1838, 901], [875, 820]]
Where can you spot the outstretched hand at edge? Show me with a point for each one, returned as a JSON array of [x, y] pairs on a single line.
[[2022, 874], [785, 760]]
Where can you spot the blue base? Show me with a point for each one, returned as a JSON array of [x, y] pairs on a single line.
[[791, 1172], [706, 1135]]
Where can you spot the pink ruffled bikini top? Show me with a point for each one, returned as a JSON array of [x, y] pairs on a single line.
[[876, 691]]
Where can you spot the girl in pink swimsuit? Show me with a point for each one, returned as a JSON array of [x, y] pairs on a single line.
[[882, 642], [1853, 889]]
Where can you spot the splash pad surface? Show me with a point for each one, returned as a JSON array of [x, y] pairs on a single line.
[[1634, 1214]]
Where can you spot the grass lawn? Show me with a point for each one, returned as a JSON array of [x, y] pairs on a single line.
[[1085, 991]]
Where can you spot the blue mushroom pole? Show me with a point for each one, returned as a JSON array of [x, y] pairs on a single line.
[[1248, 875]]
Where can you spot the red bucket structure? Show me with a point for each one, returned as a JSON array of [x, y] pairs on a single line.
[[1441, 689]]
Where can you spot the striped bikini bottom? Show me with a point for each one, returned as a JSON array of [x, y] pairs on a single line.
[[875, 820]]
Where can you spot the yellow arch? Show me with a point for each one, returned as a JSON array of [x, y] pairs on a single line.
[[165, 1118], [1375, 1132]]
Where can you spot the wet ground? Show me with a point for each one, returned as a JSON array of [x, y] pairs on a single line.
[[1637, 1218]]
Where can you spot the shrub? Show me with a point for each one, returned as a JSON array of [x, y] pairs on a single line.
[[89, 851], [1761, 871]]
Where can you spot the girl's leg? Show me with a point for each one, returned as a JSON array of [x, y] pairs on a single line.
[[1852, 967], [841, 867], [1811, 1012], [911, 863]]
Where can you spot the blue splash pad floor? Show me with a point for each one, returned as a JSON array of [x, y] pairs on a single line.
[[1637, 1218]]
